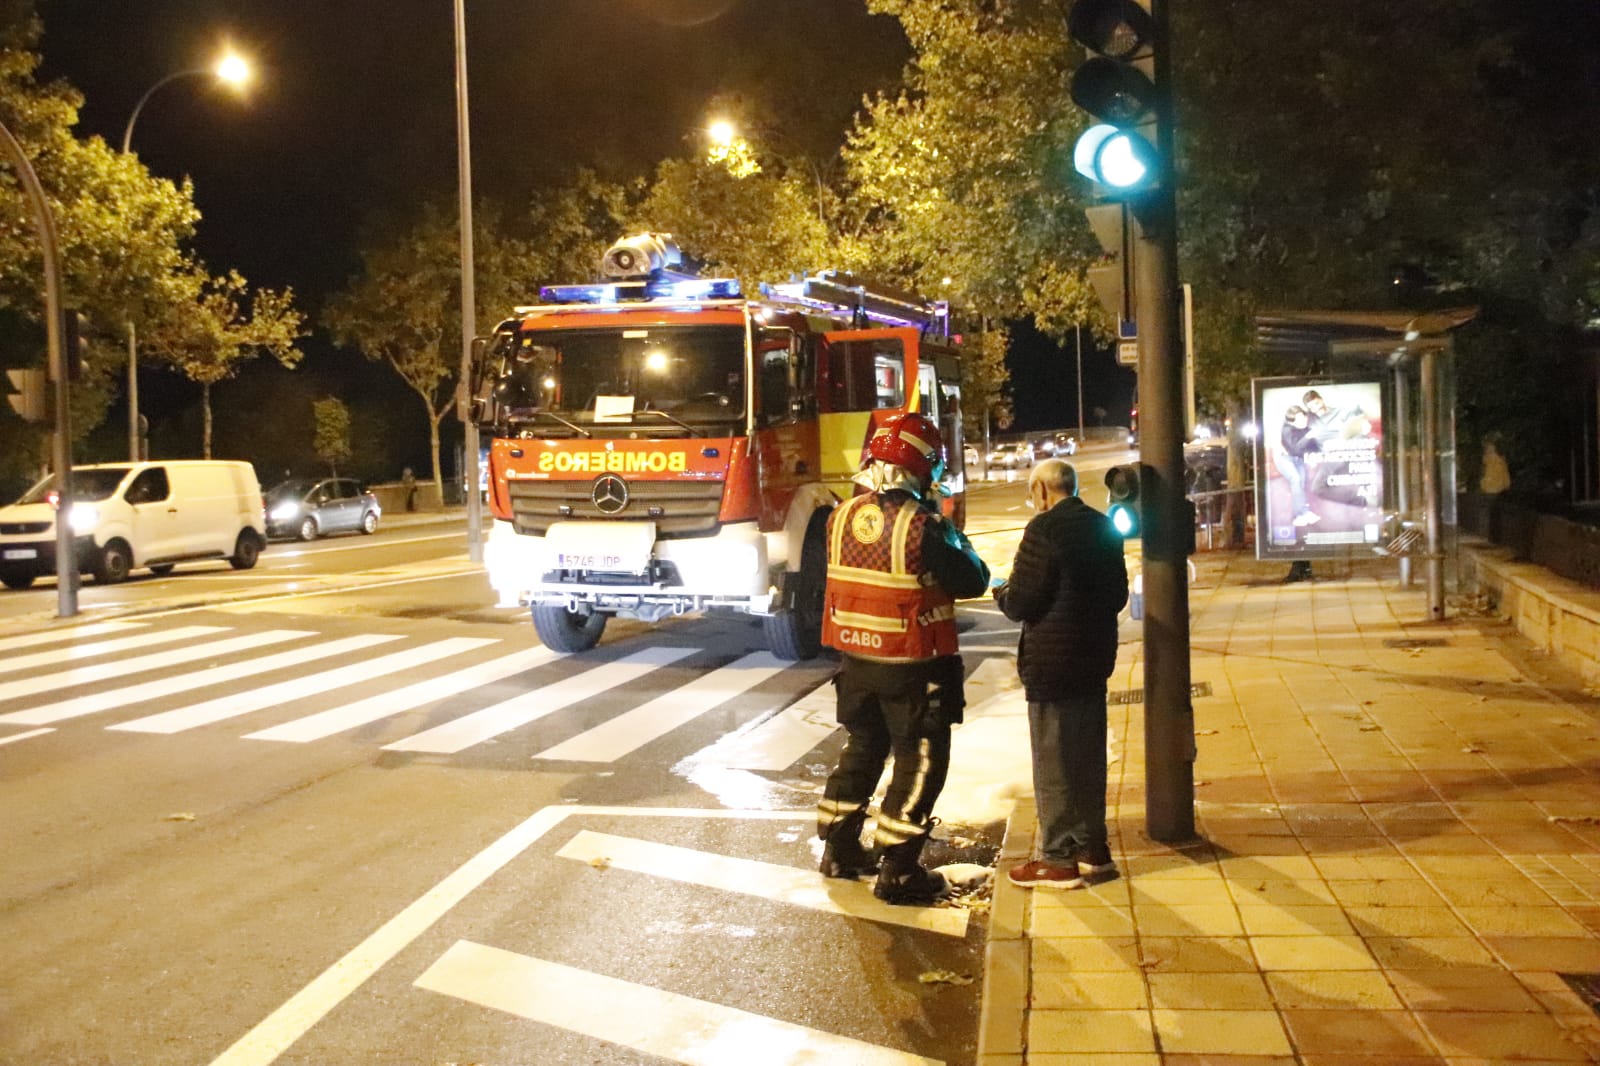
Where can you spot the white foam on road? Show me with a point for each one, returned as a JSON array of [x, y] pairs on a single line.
[[649, 1020]]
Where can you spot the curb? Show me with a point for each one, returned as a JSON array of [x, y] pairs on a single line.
[[1007, 962]]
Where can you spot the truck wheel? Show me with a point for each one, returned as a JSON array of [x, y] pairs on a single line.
[[114, 563], [795, 632], [566, 631], [245, 551], [17, 580], [162, 569]]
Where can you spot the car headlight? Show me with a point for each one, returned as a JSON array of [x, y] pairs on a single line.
[[284, 511], [83, 517]]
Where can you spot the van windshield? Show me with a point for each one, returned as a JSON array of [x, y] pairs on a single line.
[[86, 485]]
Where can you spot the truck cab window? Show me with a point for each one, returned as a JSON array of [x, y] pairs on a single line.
[[866, 375], [776, 358]]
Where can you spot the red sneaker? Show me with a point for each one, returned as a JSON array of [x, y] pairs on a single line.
[[1039, 874]]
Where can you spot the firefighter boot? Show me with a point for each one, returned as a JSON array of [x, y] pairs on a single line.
[[842, 853], [902, 880]]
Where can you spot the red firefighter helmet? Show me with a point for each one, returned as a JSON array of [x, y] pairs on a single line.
[[910, 442]]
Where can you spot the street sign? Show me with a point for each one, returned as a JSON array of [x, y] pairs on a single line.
[[1128, 353]]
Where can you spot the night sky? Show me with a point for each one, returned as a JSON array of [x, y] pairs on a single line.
[[351, 119]]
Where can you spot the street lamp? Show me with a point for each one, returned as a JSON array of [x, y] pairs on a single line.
[[232, 70]]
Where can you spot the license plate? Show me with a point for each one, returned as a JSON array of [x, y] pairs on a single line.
[[565, 561], [615, 547], [21, 553]]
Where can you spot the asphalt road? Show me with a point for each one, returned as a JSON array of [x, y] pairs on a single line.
[[342, 808]]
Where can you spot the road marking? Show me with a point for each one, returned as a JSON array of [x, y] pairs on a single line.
[[1008, 649], [298, 688], [763, 880], [52, 636], [649, 1020], [87, 675], [363, 545], [169, 686], [25, 736], [385, 704], [633, 730], [74, 652], [490, 722], [777, 742]]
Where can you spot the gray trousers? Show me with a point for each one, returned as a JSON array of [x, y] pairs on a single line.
[[1069, 773]]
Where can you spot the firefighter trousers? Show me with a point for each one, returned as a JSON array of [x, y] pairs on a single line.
[[903, 709]]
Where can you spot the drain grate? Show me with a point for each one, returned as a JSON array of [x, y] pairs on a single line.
[[1136, 695], [1416, 642], [1587, 985]]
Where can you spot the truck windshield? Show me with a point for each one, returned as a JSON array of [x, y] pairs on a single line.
[[86, 485], [666, 377]]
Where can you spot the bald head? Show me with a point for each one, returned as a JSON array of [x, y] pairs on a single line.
[[1057, 478]]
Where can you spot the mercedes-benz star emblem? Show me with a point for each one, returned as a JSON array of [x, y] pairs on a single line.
[[610, 494]]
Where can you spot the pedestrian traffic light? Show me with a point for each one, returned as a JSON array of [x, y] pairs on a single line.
[[72, 342], [28, 399], [1122, 493], [1117, 86]]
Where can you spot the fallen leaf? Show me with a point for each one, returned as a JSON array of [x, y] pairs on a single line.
[[1574, 819], [1201, 784], [1370, 729], [1205, 732], [179, 816], [600, 862], [944, 977], [1472, 749]]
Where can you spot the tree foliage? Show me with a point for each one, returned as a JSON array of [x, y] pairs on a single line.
[[331, 438]]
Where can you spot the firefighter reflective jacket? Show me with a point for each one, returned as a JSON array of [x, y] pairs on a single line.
[[882, 601]]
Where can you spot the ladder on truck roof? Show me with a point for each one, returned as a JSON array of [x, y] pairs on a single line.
[[867, 303]]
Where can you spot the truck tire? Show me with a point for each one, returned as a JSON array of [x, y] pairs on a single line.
[[113, 564], [246, 550], [18, 580], [162, 569], [566, 631], [794, 633]]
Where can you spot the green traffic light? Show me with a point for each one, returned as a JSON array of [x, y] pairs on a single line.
[[1119, 159], [1122, 521]]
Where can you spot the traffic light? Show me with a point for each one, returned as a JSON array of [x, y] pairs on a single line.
[[1122, 492], [72, 341], [29, 398], [1116, 85]]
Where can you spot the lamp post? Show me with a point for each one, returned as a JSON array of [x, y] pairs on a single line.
[[468, 296], [232, 70]]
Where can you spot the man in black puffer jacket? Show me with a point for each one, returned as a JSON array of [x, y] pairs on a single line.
[[1066, 586]]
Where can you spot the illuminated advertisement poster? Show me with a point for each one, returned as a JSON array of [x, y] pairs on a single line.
[[1319, 457]]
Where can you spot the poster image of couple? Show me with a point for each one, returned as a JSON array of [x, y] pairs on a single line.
[[1320, 449]]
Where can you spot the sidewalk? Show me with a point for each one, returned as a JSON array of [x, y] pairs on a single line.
[[1399, 853]]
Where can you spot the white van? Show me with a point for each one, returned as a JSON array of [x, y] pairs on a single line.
[[125, 515]]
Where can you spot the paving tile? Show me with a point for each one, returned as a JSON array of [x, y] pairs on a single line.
[[1294, 921], [1428, 952], [1114, 893], [1356, 1032], [1103, 921], [1094, 1059], [1086, 990], [1170, 954], [1269, 868], [1386, 1060], [1312, 953], [1502, 1035], [1184, 890], [1253, 893], [1085, 954], [1401, 892], [1521, 921], [1467, 989], [1231, 845], [1209, 991], [1229, 1060], [1365, 867], [1090, 1031], [1168, 867], [1464, 843], [1174, 919], [1406, 921], [1376, 844], [1562, 954], [1221, 1032], [1331, 990]]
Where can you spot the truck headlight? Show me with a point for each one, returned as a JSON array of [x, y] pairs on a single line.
[[83, 517]]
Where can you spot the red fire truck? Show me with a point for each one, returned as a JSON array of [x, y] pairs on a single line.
[[662, 443]]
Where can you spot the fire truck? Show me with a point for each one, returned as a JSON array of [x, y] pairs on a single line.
[[660, 443]]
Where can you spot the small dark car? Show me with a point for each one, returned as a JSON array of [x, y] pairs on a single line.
[[308, 508]]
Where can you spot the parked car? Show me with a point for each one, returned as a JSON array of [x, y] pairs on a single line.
[[127, 515], [1011, 456], [308, 509]]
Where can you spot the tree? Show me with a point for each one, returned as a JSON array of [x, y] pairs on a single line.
[[332, 437], [222, 326], [404, 308]]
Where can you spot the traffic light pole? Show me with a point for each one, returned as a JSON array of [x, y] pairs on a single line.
[[55, 328], [1168, 527]]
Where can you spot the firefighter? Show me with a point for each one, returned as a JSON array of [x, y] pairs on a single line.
[[895, 569]]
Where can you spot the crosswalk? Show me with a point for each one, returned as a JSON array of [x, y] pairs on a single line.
[[298, 685]]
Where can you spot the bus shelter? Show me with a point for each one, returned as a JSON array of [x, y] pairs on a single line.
[[1405, 359]]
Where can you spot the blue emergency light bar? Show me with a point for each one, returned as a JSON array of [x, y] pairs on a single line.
[[658, 289]]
